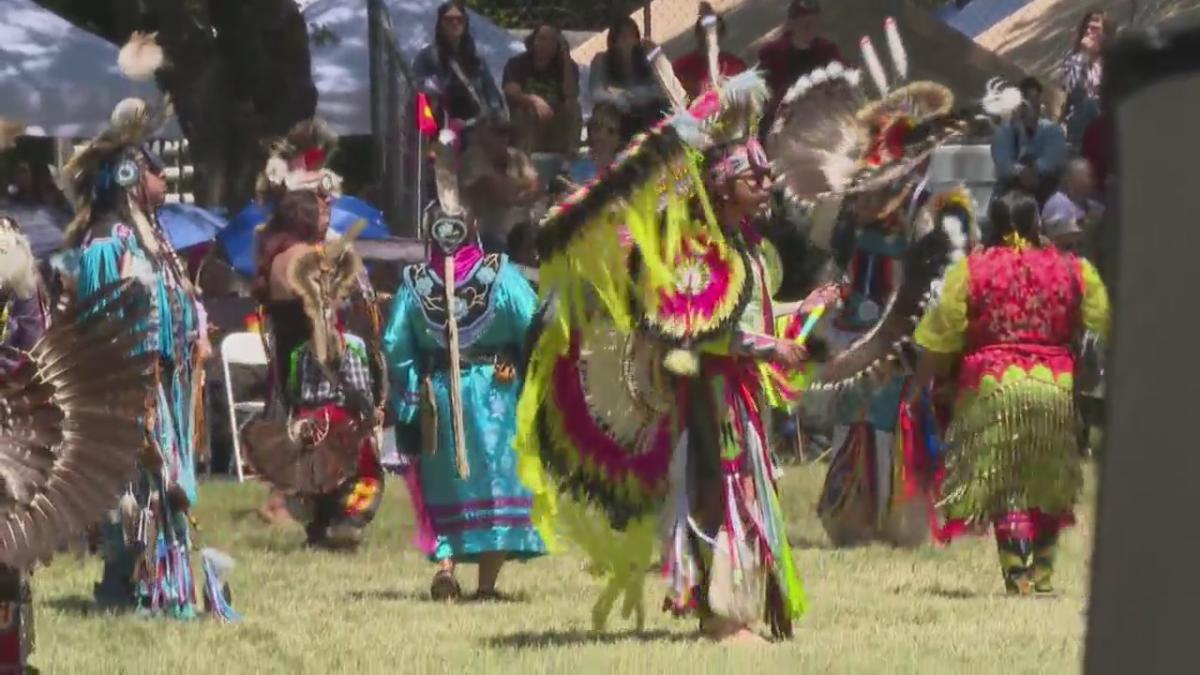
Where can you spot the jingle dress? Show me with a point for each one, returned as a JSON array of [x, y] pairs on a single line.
[[148, 560], [489, 509], [1013, 459]]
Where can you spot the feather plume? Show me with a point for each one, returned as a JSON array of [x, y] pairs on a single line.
[[817, 138], [664, 72], [874, 66], [141, 57], [1000, 100], [712, 45], [445, 173], [70, 430], [896, 48]]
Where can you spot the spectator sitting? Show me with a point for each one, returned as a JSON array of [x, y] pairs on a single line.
[[500, 184], [542, 88], [1072, 214], [692, 68], [1082, 73], [795, 53], [467, 92], [1029, 150], [621, 76], [604, 140]]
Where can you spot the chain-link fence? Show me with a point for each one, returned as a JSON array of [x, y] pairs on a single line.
[[397, 152]]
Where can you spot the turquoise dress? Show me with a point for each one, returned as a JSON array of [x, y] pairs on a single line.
[[164, 584], [489, 510]]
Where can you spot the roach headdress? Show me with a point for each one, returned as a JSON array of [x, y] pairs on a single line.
[[298, 160]]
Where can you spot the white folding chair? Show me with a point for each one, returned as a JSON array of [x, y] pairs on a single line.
[[242, 349]]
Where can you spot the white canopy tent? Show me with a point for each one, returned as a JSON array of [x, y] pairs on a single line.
[[341, 69], [57, 78]]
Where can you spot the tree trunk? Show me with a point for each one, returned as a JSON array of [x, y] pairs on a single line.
[[239, 76]]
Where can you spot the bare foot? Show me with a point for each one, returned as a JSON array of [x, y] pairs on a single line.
[[745, 636], [275, 514], [728, 632]]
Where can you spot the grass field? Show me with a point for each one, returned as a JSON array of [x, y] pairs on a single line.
[[874, 610]]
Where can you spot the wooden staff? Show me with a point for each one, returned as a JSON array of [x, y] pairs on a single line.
[[456, 408]]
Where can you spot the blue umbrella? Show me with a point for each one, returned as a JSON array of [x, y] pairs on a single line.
[[238, 236], [349, 210], [187, 224]]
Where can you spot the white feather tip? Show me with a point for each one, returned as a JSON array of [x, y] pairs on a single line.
[[1001, 100], [874, 66], [896, 47]]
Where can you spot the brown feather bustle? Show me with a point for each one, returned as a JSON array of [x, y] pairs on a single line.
[[306, 456], [70, 428]]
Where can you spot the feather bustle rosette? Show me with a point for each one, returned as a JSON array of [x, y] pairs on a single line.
[[70, 425], [314, 454]]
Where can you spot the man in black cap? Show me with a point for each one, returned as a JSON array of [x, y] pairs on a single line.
[[799, 50]]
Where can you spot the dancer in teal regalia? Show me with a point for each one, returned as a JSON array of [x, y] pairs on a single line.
[[454, 344], [117, 185]]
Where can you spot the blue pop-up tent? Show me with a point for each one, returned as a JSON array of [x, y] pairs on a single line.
[[237, 239]]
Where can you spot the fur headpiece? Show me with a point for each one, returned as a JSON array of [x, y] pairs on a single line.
[[831, 137], [18, 267], [323, 277]]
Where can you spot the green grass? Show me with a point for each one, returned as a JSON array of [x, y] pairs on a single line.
[[873, 610]]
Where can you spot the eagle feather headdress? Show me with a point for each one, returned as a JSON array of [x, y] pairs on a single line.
[[102, 165]]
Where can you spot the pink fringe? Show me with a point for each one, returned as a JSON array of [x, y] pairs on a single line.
[[425, 539]]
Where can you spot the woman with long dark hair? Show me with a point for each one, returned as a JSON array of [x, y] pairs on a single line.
[[1006, 319], [621, 75], [542, 88], [450, 71], [1083, 72]]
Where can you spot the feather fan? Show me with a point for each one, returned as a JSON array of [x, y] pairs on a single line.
[[70, 424]]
